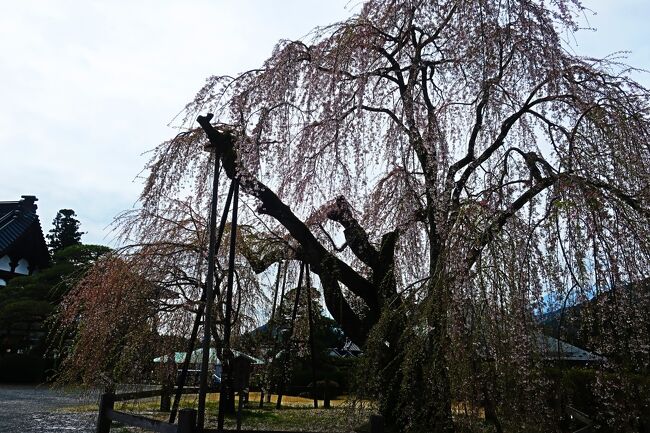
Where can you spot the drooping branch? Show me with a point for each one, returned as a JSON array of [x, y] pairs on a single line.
[[502, 217], [619, 194], [262, 250], [471, 145], [498, 142]]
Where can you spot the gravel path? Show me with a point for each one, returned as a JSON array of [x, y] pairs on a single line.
[[33, 409]]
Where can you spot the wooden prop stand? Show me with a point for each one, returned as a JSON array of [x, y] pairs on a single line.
[[266, 375], [271, 369], [312, 352], [182, 378], [209, 289], [287, 343], [227, 354], [275, 296]]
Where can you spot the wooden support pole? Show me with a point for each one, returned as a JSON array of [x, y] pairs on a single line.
[[206, 371], [187, 421], [267, 375], [182, 377], [226, 373], [275, 298], [326, 394], [272, 368], [239, 409], [106, 404], [261, 398], [287, 344], [165, 398], [199, 313], [312, 351]]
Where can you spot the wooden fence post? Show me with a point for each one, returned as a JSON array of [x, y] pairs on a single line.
[[326, 394], [376, 424], [240, 404], [165, 399], [261, 398], [187, 421], [106, 403]]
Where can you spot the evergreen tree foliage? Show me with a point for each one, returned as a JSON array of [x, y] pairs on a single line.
[[65, 231]]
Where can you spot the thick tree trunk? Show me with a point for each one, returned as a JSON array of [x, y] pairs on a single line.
[[424, 402], [437, 308], [413, 387], [439, 380]]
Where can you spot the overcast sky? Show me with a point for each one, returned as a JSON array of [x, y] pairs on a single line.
[[87, 86]]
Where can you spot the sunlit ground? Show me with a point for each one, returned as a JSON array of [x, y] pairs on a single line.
[[297, 413]]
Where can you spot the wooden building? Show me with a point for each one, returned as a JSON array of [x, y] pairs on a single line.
[[23, 250]]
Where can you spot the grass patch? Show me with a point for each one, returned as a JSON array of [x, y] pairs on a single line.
[[339, 419], [297, 413]]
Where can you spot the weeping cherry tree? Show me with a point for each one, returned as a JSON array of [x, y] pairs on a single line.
[[446, 167]]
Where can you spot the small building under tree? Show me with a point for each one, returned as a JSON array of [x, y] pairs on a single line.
[[23, 250]]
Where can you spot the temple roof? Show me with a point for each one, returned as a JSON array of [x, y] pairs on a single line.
[[20, 230], [559, 350]]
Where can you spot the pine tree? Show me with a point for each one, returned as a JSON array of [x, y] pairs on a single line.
[[65, 231]]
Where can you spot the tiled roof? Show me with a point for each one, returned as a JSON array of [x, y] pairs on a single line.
[[13, 225], [555, 349], [16, 218], [197, 356]]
